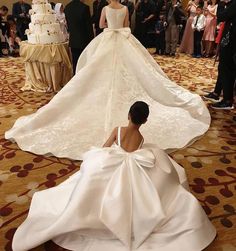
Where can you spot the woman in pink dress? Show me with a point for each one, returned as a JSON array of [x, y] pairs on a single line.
[[210, 29], [186, 45]]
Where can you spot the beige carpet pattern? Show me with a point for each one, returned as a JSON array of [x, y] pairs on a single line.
[[210, 162]]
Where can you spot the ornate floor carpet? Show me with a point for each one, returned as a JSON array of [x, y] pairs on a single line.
[[210, 162]]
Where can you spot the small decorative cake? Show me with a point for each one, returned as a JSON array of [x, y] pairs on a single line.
[[44, 27]]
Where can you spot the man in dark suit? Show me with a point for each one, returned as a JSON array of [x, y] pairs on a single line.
[[97, 9], [145, 20], [80, 28], [20, 11], [227, 58]]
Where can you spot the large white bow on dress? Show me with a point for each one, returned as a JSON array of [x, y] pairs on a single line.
[[131, 206], [123, 31]]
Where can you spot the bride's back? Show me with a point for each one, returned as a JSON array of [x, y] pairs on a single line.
[[115, 16], [129, 139]]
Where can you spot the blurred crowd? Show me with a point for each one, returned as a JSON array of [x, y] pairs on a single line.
[[162, 24]]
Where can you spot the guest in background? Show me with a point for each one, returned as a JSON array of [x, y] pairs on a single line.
[[3, 13], [13, 37], [80, 28], [59, 10], [97, 9], [198, 25], [227, 59], [20, 11], [210, 29], [130, 6], [3, 30], [145, 20], [173, 18], [186, 45], [160, 35]]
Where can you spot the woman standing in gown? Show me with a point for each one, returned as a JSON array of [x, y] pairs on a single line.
[[186, 45], [113, 71], [126, 197]]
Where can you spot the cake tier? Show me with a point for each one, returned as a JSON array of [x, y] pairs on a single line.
[[39, 1], [46, 38], [41, 9], [40, 28], [43, 18]]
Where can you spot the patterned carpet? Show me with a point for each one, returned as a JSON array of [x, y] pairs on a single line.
[[210, 162]]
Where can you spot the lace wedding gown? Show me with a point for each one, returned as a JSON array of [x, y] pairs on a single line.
[[113, 72], [119, 201]]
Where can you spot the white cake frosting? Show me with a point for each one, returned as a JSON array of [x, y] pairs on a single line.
[[42, 8], [44, 27], [39, 29], [43, 18]]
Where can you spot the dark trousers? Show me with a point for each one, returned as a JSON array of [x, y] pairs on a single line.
[[226, 73], [21, 27], [75, 56], [160, 42], [198, 42], [141, 33]]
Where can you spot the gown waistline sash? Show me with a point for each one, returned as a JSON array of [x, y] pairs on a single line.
[[123, 31]]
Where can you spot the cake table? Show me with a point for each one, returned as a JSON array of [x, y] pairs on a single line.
[[47, 66]]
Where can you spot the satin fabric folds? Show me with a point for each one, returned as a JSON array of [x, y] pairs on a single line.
[[113, 72], [119, 201]]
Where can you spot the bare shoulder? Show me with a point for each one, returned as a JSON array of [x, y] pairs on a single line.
[[141, 137]]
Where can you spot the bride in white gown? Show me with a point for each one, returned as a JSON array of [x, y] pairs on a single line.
[[113, 71], [125, 197]]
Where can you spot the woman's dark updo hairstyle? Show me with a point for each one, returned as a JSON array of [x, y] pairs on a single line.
[[139, 112]]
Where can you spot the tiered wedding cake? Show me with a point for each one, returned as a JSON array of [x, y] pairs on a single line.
[[44, 27]]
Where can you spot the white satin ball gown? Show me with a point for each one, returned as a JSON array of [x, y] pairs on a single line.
[[113, 72], [119, 201]]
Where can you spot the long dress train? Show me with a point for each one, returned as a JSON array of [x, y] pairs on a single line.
[[113, 72]]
